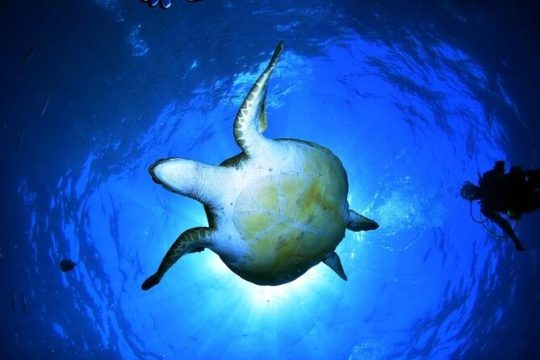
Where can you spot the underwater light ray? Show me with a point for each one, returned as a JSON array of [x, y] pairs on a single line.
[[260, 299], [383, 221], [415, 201]]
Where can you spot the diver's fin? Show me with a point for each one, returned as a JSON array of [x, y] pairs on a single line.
[[334, 262], [192, 240], [246, 132], [357, 222]]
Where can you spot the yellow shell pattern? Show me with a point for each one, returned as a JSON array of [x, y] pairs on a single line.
[[292, 219]]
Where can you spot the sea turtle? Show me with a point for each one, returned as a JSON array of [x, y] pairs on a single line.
[[274, 210]]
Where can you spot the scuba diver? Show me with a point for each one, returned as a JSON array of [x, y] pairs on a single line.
[[513, 193]]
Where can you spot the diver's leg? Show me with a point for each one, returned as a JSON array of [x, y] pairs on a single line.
[[192, 240], [505, 226], [517, 244]]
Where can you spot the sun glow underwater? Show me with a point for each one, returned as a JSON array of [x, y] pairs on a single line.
[[405, 151], [396, 208]]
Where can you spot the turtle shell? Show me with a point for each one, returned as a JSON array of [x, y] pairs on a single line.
[[290, 221]]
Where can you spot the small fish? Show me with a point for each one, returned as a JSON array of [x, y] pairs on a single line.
[[165, 3], [24, 304], [45, 106], [67, 265]]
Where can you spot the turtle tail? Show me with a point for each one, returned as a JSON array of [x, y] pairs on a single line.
[[250, 121]]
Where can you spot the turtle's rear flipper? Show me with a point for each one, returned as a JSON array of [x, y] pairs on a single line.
[[357, 222], [192, 240], [250, 121], [334, 262]]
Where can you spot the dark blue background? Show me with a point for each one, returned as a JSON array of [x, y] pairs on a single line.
[[415, 97]]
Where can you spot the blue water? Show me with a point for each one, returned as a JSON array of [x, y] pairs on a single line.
[[414, 97]]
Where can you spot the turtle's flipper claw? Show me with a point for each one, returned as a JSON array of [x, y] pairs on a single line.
[[151, 282]]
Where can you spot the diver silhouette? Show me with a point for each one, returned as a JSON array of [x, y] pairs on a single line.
[[512, 193]]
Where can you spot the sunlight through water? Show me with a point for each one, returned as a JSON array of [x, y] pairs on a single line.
[[409, 126]]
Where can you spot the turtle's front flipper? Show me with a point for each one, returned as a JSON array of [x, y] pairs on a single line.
[[192, 240], [357, 222], [334, 262], [199, 181]]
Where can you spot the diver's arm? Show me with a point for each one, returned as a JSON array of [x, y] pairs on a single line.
[[505, 225]]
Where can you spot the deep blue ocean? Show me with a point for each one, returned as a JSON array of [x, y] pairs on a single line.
[[414, 97]]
